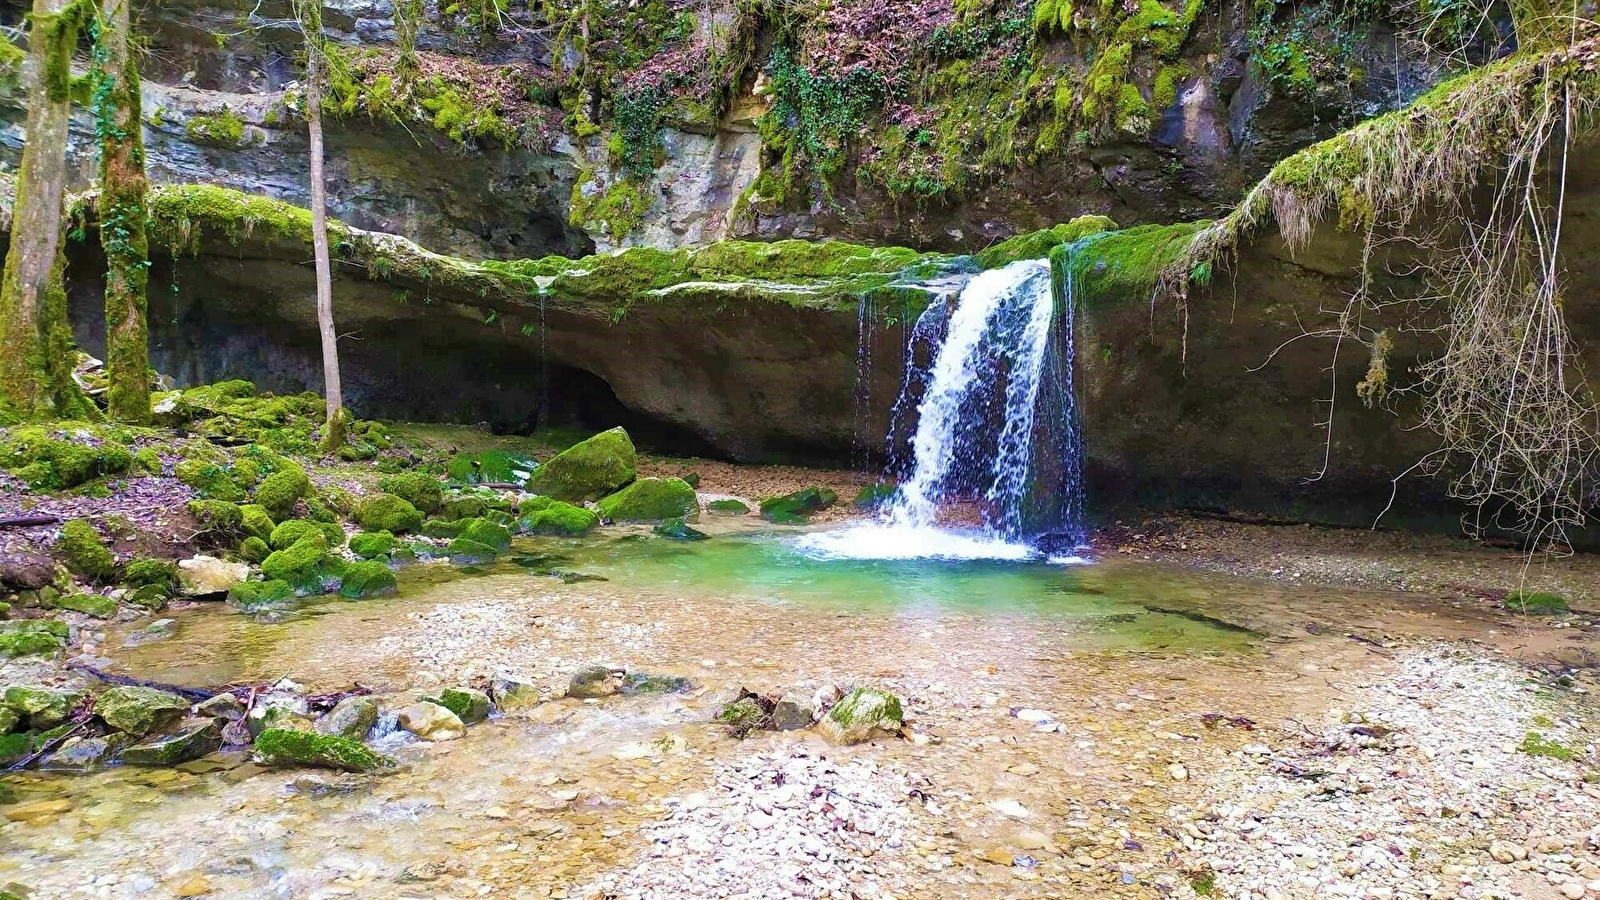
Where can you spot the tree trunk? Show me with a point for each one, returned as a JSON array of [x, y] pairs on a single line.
[[35, 370], [334, 432], [122, 216]]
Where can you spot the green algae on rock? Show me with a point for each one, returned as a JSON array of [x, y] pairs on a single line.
[[191, 740], [650, 500], [728, 507], [469, 704], [489, 467], [862, 713], [558, 518], [85, 552], [93, 605], [798, 507], [41, 707], [417, 488], [285, 747], [679, 530], [588, 469], [373, 544], [386, 512], [32, 637], [249, 596]]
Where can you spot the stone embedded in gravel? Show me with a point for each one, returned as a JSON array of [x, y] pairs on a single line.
[[350, 718], [191, 740], [201, 576], [431, 722], [592, 682], [275, 747], [222, 706], [793, 711], [138, 711], [863, 712], [469, 704], [511, 693]]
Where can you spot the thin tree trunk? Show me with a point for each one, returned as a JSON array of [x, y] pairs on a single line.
[[122, 215], [35, 372], [334, 433]]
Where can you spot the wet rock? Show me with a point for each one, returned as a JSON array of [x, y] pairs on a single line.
[[223, 706], [595, 681], [351, 718], [38, 812], [863, 713], [276, 710], [679, 530], [9, 719], [42, 707], [589, 469], [469, 704], [82, 754], [641, 683], [650, 500], [511, 693], [367, 579], [89, 604], [794, 711], [798, 507], [431, 722], [138, 711], [190, 740], [25, 570], [201, 576], [276, 747], [159, 630]]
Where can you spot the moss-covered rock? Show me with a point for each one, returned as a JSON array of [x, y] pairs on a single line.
[[469, 704], [289, 533], [150, 571], [281, 490], [84, 552], [465, 552], [366, 579], [285, 747], [373, 544], [798, 507], [862, 713], [1536, 603], [191, 740], [351, 718], [41, 707], [250, 596], [255, 521], [679, 530], [147, 461], [487, 533], [211, 480], [650, 500], [254, 550], [306, 565], [138, 711], [89, 604], [417, 488], [31, 637], [490, 467], [220, 521], [876, 496], [472, 505], [386, 512], [443, 529], [58, 460], [728, 507], [558, 518], [589, 469]]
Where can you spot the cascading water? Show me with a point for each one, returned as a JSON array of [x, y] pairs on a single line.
[[996, 431]]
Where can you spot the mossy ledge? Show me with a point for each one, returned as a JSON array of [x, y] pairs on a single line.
[[826, 275]]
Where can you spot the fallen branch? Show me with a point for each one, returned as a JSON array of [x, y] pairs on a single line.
[[48, 746], [29, 521], [194, 695]]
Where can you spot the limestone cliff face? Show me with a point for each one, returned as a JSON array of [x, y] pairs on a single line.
[[534, 128]]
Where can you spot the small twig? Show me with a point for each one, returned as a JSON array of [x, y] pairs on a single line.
[[48, 746]]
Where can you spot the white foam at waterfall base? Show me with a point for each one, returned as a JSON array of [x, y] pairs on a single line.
[[1003, 315]]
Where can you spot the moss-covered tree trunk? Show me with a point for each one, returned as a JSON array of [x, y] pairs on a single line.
[[333, 433], [122, 215], [35, 368]]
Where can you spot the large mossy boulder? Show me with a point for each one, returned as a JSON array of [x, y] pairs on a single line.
[[287, 747], [386, 512], [588, 470], [281, 490], [59, 460], [138, 711], [250, 596], [650, 500], [487, 533], [306, 565], [32, 637], [557, 518], [289, 533], [416, 488], [373, 544], [41, 707]]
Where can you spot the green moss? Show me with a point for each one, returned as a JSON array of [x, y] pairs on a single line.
[[558, 518], [31, 637], [796, 508], [386, 512], [256, 521], [589, 469], [211, 480], [463, 551], [469, 705], [875, 496], [1536, 744], [250, 596], [282, 747], [417, 488], [372, 545], [489, 534], [615, 210], [84, 552], [57, 460], [729, 507], [1536, 603], [89, 604], [366, 579], [1038, 244], [281, 490], [306, 565], [487, 467], [136, 710], [650, 500], [254, 550], [679, 530], [289, 533], [147, 461], [150, 571], [224, 129], [1122, 266], [443, 529], [220, 521]]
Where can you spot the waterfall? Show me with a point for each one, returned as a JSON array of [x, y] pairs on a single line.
[[996, 431]]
